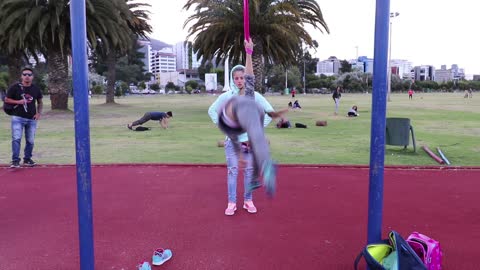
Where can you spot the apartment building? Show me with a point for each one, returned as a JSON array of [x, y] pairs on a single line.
[[424, 73], [328, 67], [402, 68], [186, 57]]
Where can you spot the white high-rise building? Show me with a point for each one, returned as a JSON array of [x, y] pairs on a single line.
[[328, 67], [404, 68], [181, 52], [443, 74], [458, 73], [325, 67], [186, 58], [163, 60], [367, 64]]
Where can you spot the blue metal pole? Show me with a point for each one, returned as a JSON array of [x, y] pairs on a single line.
[[82, 132], [377, 133]]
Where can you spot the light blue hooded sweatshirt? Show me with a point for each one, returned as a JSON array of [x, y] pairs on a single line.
[[234, 91]]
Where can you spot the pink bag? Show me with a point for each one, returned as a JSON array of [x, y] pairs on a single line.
[[427, 249]]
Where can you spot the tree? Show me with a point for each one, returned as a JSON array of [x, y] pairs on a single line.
[[205, 67], [276, 77], [14, 41], [98, 89], [127, 72], [44, 26], [134, 18], [277, 30], [220, 74], [397, 83], [352, 82], [327, 82], [192, 83], [3, 81], [125, 87], [310, 63], [155, 86], [41, 77], [170, 86], [307, 65], [345, 67]]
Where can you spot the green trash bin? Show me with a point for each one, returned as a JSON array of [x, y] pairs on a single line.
[[398, 132]]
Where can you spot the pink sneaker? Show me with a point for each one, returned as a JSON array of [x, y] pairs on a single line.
[[231, 208], [250, 207]]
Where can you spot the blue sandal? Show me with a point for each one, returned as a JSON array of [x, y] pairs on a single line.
[[144, 266]]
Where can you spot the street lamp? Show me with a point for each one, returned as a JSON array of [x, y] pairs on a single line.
[[304, 84], [389, 71]]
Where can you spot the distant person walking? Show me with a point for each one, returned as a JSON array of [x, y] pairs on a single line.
[[410, 94], [470, 93], [293, 92], [336, 98]]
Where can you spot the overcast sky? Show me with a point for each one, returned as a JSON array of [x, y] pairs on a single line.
[[427, 32]]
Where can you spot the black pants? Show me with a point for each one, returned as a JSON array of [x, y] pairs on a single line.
[[146, 117]]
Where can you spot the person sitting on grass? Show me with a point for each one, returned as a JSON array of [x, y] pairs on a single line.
[[296, 105], [158, 116], [353, 112]]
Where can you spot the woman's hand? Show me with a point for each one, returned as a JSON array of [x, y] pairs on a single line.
[[248, 46]]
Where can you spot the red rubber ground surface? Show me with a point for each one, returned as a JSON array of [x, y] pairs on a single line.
[[318, 220]]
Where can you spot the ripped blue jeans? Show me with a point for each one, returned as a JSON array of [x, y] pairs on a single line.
[[232, 172], [20, 124]]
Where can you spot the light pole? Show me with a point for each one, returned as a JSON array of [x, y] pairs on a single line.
[[286, 81], [304, 84], [389, 71]]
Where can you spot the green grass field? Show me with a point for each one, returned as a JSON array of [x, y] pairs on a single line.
[[440, 120]]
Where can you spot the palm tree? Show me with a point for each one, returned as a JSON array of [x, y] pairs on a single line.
[[135, 19], [44, 26], [13, 45], [276, 27], [45, 21]]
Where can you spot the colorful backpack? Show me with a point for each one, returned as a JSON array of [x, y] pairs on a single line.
[[427, 249], [393, 253]]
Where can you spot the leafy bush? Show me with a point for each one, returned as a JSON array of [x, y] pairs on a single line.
[[170, 86], [3, 80], [193, 84], [98, 89]]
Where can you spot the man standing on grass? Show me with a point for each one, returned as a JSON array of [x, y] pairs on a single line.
[[27, 99], [336, 98]]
